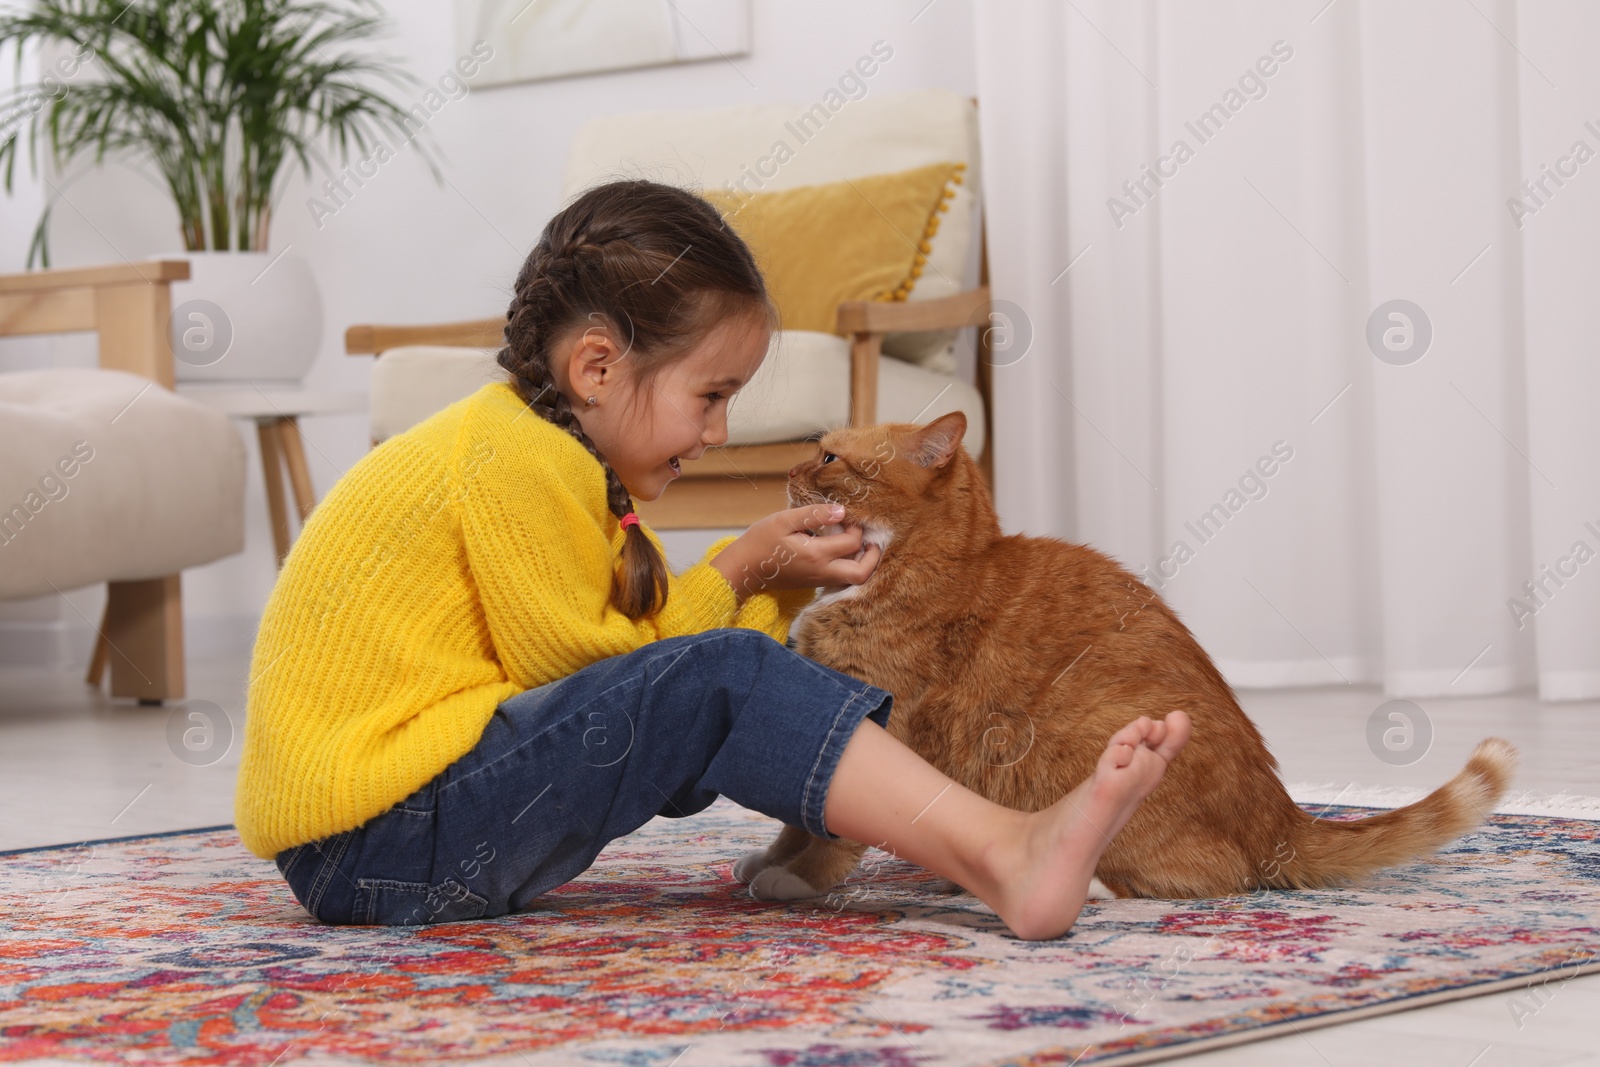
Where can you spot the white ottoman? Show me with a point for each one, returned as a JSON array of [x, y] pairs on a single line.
[[106, 476]]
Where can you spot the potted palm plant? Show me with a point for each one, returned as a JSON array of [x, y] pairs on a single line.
[[224, 98]]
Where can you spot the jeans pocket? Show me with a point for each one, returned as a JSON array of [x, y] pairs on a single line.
[[386, 902]]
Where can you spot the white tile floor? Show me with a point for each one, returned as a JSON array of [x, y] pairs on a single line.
[[75, 766]]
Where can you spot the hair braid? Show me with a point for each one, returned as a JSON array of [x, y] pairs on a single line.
[[659, 264]]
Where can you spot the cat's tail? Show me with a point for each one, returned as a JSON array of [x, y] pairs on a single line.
[[1323, 852]]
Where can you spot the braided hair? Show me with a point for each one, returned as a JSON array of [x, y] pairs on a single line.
[[657, 265]]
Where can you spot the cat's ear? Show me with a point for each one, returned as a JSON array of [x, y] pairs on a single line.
[[936, 442]]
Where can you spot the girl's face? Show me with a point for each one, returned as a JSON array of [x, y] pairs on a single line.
[[644, 433]]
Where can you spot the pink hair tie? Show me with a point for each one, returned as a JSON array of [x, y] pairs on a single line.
[[630, 519]]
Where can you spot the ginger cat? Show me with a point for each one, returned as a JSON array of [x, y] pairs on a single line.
[[1013, 659]]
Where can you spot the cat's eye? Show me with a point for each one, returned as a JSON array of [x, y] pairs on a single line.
[[828, 457]]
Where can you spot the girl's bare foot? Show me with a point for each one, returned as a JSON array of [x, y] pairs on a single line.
[[1043, 874]]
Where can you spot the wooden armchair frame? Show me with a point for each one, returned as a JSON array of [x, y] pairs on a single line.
[[737, 484], [128, 306]]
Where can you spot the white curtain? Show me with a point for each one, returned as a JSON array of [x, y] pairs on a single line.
[[1202, 396]]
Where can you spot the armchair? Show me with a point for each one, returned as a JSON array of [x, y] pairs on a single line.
[[888, 361], [107, 475]]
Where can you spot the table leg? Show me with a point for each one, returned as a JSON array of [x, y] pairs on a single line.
[[272, 471], [294, 455]]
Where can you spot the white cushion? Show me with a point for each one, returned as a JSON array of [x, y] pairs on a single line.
[[738, 146], [156, 481], [411, 382], [803, 386]]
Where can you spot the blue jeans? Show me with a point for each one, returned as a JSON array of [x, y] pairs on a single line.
[[563, 769]]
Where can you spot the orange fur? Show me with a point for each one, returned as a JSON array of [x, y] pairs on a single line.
[[1013, 660]]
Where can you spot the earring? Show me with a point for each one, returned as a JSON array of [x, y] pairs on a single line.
[[592, 401]]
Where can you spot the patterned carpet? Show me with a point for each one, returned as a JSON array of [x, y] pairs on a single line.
[[185, 949]]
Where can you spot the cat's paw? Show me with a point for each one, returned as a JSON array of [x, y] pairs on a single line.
[[780, 883], [1098, 890], [749, 865]]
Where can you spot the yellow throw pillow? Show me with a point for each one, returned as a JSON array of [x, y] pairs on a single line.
[[860, 239]]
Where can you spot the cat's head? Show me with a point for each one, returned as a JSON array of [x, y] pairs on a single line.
[[888, 476]]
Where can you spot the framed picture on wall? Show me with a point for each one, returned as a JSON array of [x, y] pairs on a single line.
[[538, 39]]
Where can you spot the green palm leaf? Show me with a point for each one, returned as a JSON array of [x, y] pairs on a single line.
[[224, 97]]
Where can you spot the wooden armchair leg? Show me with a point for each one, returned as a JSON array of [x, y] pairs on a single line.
[[143, 640], [986, 390], [102, 651]]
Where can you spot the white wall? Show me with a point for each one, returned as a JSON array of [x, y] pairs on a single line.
[[407, 250]]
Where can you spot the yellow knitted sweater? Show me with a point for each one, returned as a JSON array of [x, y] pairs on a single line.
[[458, 563]]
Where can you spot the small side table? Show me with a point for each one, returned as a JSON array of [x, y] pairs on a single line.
[[276, 409]]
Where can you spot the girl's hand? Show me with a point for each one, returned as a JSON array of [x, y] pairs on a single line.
[[781, 552]]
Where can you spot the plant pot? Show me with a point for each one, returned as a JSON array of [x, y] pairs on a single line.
[[245, 316]]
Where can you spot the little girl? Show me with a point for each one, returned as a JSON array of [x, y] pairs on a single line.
[[476, 669]]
